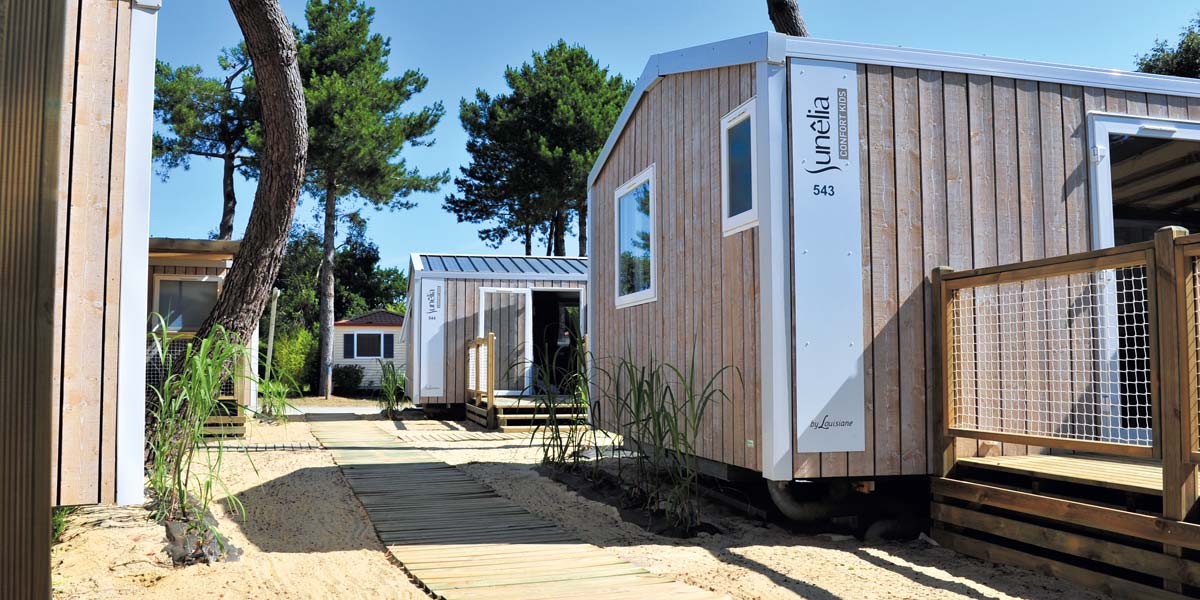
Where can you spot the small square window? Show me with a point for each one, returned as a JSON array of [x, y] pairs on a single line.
[[185, 303], [635, 239], [368, 345], [739, 205]]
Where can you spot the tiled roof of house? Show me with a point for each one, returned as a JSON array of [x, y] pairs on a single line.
[[375, 317]]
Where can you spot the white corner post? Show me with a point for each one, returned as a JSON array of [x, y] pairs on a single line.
[[135, 249], [774, 271]]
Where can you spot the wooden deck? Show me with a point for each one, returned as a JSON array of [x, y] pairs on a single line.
[[462, 541], [1143, 476]]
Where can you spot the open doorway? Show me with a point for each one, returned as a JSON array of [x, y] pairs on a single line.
[[556, 336], [1146, 175]]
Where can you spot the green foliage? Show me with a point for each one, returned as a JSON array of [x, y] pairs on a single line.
[[392, 385], [563, 441], [1180, 60], [182, 405], [58, 521], [273, 397], [347, 379], [532, 147], [294, 357], [204, 116], [361, 284], [209, 117], [357, 127], [658, 409]]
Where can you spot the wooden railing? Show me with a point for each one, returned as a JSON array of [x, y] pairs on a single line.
[[481, 375], [1091, 352]]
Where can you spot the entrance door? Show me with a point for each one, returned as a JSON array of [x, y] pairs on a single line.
[[506, 313], [1146, 175]]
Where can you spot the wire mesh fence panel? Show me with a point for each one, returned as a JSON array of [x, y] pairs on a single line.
[[158, 367], [1056, 358]]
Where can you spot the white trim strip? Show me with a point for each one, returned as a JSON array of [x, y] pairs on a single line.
[[775, 320], [135, 256]]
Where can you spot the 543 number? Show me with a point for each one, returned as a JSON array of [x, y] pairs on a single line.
[[823, 190]]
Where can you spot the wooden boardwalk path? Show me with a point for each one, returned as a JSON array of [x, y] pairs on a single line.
[[462, 541]]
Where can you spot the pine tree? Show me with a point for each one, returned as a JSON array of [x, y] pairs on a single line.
[[532, 148], [209, 117], [357, 129]]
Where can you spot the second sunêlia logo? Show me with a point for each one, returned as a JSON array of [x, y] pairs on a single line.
[[827, 423]]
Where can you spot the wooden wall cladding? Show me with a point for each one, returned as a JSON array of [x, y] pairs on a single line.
[[707, 283], [88, 259], [31, 72]]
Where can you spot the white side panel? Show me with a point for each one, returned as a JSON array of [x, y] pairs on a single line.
[[828, 272], [433, 340], [774, 316], [135, 252]]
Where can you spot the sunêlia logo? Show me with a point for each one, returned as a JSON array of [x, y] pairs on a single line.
[[827, 423], [820, 117]]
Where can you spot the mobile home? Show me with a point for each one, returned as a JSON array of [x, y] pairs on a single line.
[[530, 304], [780, 203]]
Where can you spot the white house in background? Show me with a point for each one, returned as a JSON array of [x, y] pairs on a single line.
[[367, 339]]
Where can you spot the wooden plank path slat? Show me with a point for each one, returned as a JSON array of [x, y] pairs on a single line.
[[461, 541]]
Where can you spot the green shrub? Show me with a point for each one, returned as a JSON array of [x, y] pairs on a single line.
[[294, 357], [347, 379], [273, 398]]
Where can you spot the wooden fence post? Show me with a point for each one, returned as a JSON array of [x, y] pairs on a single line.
[[943, 376], [1179, 474]]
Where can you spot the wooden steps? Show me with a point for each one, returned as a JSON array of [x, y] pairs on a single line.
[[1093, 520], [461, 541], [525, 413], [227, 425]]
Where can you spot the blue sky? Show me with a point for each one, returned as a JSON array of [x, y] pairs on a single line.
[[462, 45]]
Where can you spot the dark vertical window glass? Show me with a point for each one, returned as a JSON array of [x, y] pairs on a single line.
[[740, 174]]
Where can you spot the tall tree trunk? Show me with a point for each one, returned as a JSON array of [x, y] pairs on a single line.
[[271, 45], [583, 240], [559, 230], [528, 232], [325, 387], [225, 232], [785, 16]]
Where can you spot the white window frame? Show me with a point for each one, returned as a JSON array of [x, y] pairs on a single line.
[[371, 332], [748, 219], [649, 294], [1100, 126], [161, 277]]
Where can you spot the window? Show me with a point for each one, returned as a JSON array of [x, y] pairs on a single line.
[[634, 204], [368, 345], [739, 206], [185, 302]]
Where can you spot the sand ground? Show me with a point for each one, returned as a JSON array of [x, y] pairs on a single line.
[[747, 560], [308, 537], [305, 536]]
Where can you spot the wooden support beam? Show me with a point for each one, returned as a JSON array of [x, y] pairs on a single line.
[[1167, 292], [943, 369]]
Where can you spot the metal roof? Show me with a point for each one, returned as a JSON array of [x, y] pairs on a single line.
[[504, 265], [775, 48]]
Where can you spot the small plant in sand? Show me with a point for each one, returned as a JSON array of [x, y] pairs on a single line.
[[392, 384], [564, 441], [659, 409], [184, 467], [273, 397], [58, 521]]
